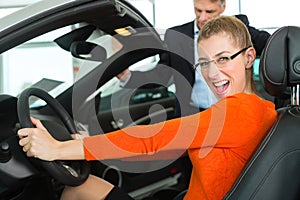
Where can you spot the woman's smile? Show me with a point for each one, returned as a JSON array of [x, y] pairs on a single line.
[[221, 87]]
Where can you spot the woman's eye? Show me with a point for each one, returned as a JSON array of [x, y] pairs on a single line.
[[203, 64], [223, 59]]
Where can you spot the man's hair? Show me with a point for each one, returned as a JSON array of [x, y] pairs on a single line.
[[213, 1]]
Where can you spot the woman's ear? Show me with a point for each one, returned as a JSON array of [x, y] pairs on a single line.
[[251, 55]]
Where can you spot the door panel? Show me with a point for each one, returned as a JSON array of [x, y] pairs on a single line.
[[144, 106]]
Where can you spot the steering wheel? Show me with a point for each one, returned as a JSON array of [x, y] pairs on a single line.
[[70, 173]]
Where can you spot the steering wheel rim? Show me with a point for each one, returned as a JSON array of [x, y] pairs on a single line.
[[60, 170]]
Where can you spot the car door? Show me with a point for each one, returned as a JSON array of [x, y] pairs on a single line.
[[121, 107]]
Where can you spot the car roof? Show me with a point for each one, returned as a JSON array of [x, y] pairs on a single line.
[[47, 14], [34, 10]]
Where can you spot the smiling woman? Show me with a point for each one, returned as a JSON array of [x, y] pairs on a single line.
[[219, 140], [219, 60], [211, 137]]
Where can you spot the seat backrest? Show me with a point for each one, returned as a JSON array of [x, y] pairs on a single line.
[[273, 172]]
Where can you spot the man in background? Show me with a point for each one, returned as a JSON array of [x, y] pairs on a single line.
[[177, 65]]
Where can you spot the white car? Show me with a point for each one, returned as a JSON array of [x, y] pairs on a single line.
[[72, 50]]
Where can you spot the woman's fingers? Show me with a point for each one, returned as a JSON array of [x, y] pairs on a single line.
[[27, 140], [23, 140], [23, 132], [26, 147]]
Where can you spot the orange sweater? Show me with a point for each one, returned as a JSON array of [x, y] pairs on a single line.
[[219, 141]]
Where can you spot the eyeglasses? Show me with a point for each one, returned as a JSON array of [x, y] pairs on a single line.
[[220, 62]]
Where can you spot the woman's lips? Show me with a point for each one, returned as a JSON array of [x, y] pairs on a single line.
[[221, 87]]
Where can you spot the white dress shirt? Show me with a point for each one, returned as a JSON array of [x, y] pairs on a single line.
[[201, 96]]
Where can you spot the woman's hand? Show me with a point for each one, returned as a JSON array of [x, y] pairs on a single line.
[[80, 135], [37, 142]]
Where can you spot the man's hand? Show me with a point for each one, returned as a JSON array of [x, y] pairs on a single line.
[[123, 76]]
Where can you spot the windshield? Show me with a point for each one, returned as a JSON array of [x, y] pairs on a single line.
[[43, 62]]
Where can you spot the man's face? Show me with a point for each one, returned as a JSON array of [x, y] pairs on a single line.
[[206, 10]]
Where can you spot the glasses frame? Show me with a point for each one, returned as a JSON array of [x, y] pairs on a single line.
[[214, 60]]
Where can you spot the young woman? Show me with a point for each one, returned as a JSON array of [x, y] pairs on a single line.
[[219, 140]]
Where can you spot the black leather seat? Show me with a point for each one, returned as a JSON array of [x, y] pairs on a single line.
[[273, 172]]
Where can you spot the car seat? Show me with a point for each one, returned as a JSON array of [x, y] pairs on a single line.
[[273, 172]]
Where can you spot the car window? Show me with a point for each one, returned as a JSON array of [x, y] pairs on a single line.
[[30, 62], [114, 95], [114, 84], [41, 62]]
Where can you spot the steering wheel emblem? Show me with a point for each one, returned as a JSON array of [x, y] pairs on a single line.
[[71, 170]]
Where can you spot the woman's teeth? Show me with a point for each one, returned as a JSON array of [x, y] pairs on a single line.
[[221, 83]]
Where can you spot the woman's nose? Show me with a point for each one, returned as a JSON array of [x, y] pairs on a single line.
[[212, 70]]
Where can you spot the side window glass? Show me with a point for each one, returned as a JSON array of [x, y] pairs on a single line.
[[115, 96]]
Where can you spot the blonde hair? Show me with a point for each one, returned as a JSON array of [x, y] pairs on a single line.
[[231, 26], [236, 30]]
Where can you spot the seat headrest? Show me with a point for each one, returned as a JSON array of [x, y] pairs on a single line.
[[280, 62]]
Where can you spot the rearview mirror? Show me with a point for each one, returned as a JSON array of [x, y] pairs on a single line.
[[80, 34], [88, 51]]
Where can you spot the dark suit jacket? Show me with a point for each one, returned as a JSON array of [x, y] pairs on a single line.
[[176, 65]]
